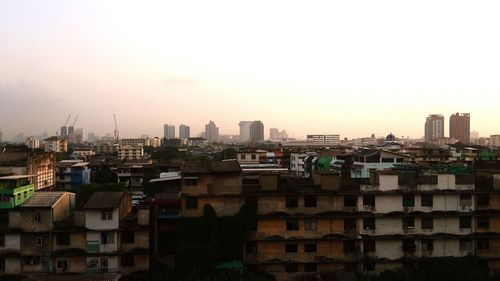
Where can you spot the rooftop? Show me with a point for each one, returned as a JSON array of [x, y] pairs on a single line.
[[43, 199], [16, 177], [104, 200], [231, 166]]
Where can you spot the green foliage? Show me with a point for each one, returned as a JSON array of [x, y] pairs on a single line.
[[104, 174], [209, 239], [85, 191], [166, 154]]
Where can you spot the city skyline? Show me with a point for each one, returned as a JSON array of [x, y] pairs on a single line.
[[381, 68]]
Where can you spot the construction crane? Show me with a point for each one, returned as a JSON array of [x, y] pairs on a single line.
[[76, 118], [116, 129], [64, 129]]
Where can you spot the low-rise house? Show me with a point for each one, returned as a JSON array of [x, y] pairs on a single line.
[[15, 190]]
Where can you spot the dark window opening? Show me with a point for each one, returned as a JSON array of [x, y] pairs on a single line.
[[408, 222], [369, 246], [349, 223], [191, 203], [426, 200], [483, 222], [292, 202], [128, 237], [349, 246], [310, 267], [291, 248], [427, 223], [62, 239], [350, 201], [292, 224], [408, 200], [310, 201], [369, 223], [369, 200], [483, 200], [465, 221], [310, 247]]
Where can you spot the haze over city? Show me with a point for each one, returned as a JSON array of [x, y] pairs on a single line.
[[346, 67]]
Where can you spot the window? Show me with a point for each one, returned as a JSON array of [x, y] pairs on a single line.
[[242, 156], [350, 201], [127, 260], [369, 200], [427, 223], [350, 224], [127, 237], [107, 237], [191, 203], [426, 200], [62, 265], [191, 181], [291, 267], [369, 246], [310, 224], [465, 221], [349, 246], [39, 241], [292, 224], [369, 223], [482, 244], [408, 200], [465, 244], [251, 248], [408, 222], [409, 246], [483, 200], [427, 245], [483, 222], [310, 248], [37, 217], [107, 215], [104, 263], [31, 260], [310, 267], [253, 156], [62, 239], [2, 240], [310, 201], [25, 195], [465, 200], [291, 248], [292, 202], [2, 264]]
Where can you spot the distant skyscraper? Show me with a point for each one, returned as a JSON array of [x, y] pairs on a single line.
[[184, 132], [460, 127], [169, 131], [274, 133], [91, 137], [257, 131], [245, 130], [434, 127], [211, 132]]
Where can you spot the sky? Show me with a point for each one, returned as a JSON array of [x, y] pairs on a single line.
[[309, 67]]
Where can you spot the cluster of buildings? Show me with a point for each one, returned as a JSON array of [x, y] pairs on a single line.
[[459, 128]]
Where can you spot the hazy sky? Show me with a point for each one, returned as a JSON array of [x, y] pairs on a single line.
[[348, 67]]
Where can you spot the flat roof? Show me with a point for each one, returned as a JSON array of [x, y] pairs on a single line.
[[16, 177]]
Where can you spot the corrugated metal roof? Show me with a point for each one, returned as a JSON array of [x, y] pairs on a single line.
[[43, 199], [104, 200]]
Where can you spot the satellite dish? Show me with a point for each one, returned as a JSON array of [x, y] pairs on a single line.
[[92, 263]]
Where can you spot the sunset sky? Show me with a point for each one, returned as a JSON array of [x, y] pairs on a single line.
[[347, 67]]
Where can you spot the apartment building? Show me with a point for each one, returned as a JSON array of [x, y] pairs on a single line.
[[42, 165], [15, 190], [55, 144], [72, 174], [130, 152], [327, 223], [116, 239]]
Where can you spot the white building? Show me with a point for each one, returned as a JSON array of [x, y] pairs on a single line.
[[32, 142], [495, 140], [84, 152], [55, 144], [130, 152], [332, 139], [245, 130]]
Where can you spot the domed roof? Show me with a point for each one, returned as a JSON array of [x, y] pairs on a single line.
[[390, 137]]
